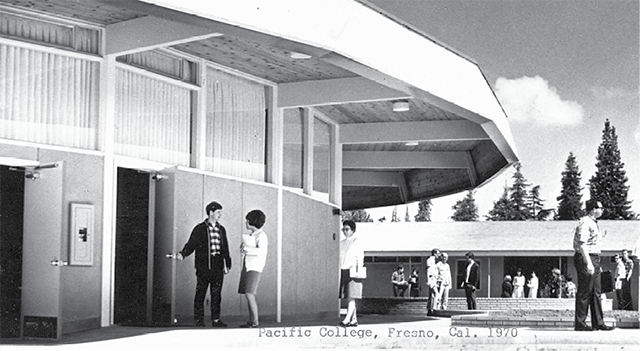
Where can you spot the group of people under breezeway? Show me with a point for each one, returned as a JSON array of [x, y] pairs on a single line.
[[438, 281], [558, 286], [587, 291]]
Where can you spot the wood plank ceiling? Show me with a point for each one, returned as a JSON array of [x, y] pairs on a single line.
[[268, 58]]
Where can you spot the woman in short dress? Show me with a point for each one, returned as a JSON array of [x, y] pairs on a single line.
[[518, 285], [254, 254], [351, 255]]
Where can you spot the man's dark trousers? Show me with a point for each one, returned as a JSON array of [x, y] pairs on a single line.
[[589, 291], [470, 292], [209, 277], [626, 295]]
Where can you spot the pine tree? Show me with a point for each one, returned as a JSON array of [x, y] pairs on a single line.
[[608, 185], [407, 218], [570, 199], [424, 211], [356, 216], [520, 208], [465, 210], [394, 215], [536, 204], [501, 210]]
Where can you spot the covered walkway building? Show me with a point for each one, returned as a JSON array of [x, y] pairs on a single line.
[[121, 120]]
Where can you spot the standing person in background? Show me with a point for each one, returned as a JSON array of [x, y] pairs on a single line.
[[557, 283], [351, 255], [626, 283], [443, 282], [471, 282], [619, 275], [209, 240], [432, 279], [254, 249], [533, 286], [400, 285], [571, 287], [518, 285], [507, 288], [414, 283], [586, 243]]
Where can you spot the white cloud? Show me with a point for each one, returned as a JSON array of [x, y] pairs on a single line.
[[532, 100]]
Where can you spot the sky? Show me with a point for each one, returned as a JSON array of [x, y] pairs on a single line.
[[559, 68]]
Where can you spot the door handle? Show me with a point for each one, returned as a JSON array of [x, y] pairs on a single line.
[[59, 263]]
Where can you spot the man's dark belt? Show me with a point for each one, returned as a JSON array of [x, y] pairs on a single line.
[[591, 254]]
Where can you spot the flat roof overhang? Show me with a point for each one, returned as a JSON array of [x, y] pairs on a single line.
[[390, 60], [455, 136]]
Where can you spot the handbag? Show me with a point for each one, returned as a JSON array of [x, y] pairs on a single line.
[[357, 271]]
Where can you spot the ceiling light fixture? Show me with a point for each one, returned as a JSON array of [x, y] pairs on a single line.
[[412, 143], [400, 106], [299, 56]]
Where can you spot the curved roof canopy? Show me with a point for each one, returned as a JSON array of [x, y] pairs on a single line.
[[351, 62]]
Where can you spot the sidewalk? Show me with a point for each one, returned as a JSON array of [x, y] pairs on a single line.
[[374, 332]]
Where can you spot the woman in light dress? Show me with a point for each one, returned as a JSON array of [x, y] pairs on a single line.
[[518, 285], [533, 286]]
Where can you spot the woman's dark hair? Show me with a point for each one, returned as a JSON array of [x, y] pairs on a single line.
[[351, 224], [256, 218]]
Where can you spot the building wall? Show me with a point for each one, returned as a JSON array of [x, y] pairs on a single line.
[[496, 275], [378, 282], [193, 192], [80, 290], [309, 250], [81, 285], [310, 238]]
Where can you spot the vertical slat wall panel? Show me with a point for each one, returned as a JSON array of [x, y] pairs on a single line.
[[236, 126], [152, 119], [49, 98]]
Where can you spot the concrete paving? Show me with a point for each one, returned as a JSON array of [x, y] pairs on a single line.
[[374, 332]]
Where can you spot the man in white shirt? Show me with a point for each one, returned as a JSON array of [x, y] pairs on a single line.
[[432, 279], [586, 243], [619, 274]]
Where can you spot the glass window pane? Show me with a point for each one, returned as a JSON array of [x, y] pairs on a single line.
[[321, 155], [236, 126], [293, 148]]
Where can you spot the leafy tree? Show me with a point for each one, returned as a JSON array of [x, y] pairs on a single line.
[[520, 208], [609, 184], [356, 216], [501, 210], [465, 210], [424, 211], [570, 199], [394, 215], [536, 205]]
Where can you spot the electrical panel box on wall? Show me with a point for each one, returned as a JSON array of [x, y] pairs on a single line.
[[82, 235]]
